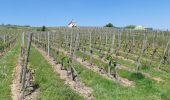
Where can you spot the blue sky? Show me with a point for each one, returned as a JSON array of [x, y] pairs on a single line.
[[150, 13]]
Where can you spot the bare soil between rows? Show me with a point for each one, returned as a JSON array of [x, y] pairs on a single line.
[[16, 85]]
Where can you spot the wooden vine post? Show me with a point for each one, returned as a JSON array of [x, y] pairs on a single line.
[[22, 53], [126, 41], [38, 39], [120, 40], [71, 43], [23, 82], [153, 45], [48, 43], [133, 40], [113, 42], [164, 53], [138, 64], [23, 39], [23, 44], [4, 43], [91, 51], [106, 39], [73, 57], [84, 49], [155, 49], [110, 58], [45, 43]]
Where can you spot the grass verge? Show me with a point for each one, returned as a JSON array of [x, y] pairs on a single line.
[[7, 65]]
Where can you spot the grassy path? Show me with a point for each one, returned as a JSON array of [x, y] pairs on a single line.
[[7, 65], [50, 85]]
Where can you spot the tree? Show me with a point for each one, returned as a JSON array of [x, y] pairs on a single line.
[[109, 25], [43, 28]]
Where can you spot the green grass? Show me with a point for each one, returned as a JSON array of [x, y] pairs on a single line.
[[142, 83], [7, 65], [103, 89], [51, 87]]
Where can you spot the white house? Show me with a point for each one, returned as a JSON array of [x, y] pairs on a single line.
[[72, 24]]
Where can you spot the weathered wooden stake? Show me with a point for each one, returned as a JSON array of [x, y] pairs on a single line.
[[48, 43], [26, 61], [23, 41], [163, 54], [113, 42], [90, 50], [142, 53], [71, 43]]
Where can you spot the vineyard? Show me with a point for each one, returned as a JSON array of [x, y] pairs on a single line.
[[84, 63]]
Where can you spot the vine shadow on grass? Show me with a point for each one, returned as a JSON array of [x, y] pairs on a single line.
[[137, 76]]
